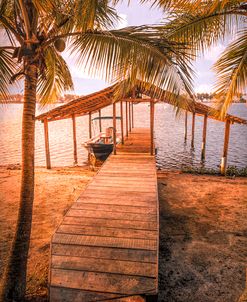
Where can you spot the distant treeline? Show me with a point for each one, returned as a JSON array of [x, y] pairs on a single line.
[[18, 98], [210, 97]]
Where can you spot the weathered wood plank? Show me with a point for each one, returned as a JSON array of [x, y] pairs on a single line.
[[128, 224], [104, 253], [102, 282], [109, 232], [129, 243], [104, 265]]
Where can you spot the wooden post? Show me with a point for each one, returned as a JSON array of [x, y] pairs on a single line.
[[152, 128], [122, 124], [132, 107], [114, 129], [204, 136], [47, 148], [129, 117], [186, 126], [127, 127], [90, 124], [74, 140], [225, 150], [100, 124], [193, 130]]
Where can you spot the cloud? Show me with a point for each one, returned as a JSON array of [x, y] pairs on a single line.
[[123, 22], [204, 88], [213, 53]]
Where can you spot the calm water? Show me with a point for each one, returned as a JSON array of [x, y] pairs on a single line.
[[169, 132]]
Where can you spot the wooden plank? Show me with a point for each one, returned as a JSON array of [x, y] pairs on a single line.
[[104, 265], [107, 232], [104, 253], [128, 243], [115, 207], [60, 294], [117, 223], [111, 283], [111, 215]]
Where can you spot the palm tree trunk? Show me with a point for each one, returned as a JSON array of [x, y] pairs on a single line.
[[15, 275]]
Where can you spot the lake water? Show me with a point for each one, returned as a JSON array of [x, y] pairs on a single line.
[[173, 152]]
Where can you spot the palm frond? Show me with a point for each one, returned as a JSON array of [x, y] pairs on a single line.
[[231, 71], [7, 70], [133, 54], [55, 78]]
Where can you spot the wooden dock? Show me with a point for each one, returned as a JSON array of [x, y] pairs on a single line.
[[106, 247]]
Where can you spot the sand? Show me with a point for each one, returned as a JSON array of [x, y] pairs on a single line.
[[203, 231]]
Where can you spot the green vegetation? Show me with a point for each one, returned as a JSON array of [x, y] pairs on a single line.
[[231, 171]]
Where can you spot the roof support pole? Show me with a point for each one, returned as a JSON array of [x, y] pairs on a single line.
[[204, 137], [47, 148], [126, 121], [186, 126], [129, 116], [74, 140], [122, 123], [100, 124], [114, 130], [152, 128], [225, 149], [90, 124], [193, 130], [132, 109]]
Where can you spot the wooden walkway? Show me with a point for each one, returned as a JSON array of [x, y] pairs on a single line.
[[106, 247]]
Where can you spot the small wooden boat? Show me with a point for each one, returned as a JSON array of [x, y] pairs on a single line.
[[101, 146]]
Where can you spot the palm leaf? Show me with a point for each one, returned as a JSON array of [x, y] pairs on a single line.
[[55, 78], [133, 54], [7, 70], [231, 71]]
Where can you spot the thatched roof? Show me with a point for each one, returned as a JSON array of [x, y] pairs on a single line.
[[103, 98]]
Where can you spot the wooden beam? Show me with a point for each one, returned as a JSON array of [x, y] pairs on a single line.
[[47, 148], [122, 123], [193, 130], [132, 107], [114, 130], [152, 128], [90, 124], [225, 149], [74, 140], [100, 124], [204, 137], [186, 126], [129, 117], [126, 120]]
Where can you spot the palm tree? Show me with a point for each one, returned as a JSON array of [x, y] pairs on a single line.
[[36, 31], [202, 24]]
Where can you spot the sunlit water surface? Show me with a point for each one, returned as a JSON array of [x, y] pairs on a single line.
[[172, 153]]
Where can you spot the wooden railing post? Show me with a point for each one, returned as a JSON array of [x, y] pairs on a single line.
[[114, 130], [74, 140], [129, 117], [152, 128], [132, 107], [47, 148], [186, 126], [122, 124], [126, 113], [100, 124], [90, 124], [193, 130], [204, 137], [225, 149]]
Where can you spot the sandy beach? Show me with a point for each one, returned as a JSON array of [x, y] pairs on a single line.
[[203, 239]]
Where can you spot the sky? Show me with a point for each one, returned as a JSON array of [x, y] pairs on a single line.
[[137, 14]]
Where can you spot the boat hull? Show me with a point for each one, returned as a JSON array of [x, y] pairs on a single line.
[[100, 151]]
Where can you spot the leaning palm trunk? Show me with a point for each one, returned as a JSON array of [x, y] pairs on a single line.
[[15, 275]]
